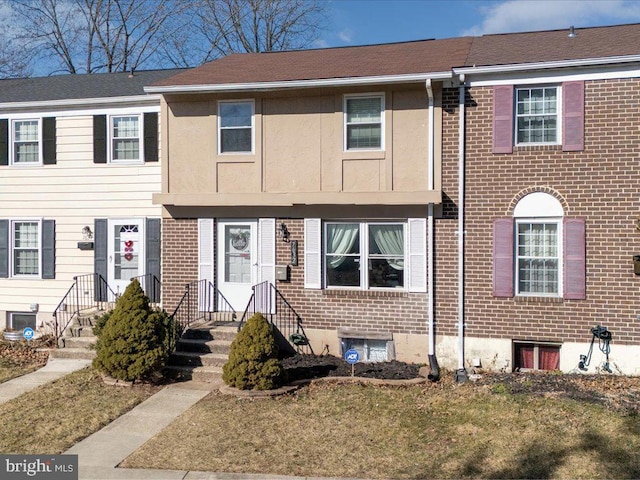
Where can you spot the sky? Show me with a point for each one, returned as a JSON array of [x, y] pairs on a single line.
[[364, 22]]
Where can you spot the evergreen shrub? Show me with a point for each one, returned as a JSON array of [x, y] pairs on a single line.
[[253, 359], [135, 341]]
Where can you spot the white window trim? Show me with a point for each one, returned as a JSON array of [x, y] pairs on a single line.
[[547, 220], [12, 148], [381, 96], [110, 139], [559, 115], [364, 257], [12, 223], [253, 127], [10, 315]]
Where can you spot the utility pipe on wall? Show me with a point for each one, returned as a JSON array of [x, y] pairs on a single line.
[[461, 374], [434, 375]]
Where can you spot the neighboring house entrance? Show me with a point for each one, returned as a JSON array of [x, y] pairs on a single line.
[[237, 260], [126, 252]]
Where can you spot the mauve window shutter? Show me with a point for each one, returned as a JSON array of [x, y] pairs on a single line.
[[575, 261], [503, 119], [503, 266], [99, 139], [49, 140], [573, 116], [48, 249], [151, 137], [4, 248], [4, 142]]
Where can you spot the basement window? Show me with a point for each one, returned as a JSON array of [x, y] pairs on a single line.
[[371, 346], [535, 356], [19, 321]]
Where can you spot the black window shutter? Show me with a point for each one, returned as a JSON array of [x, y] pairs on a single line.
[[48, 249], [99, 139], [4, 248], [100, 255], [49, 140], [4, 142], [151, 137], [153, 259]]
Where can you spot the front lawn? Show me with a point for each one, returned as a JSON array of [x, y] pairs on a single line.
[[20, 358]]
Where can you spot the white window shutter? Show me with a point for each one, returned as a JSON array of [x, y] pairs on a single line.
[[417, 254], [205, 249], [312, 253], [267, 250]]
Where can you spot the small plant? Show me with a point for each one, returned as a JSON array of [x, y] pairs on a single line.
[[253, 358], [134, 341]]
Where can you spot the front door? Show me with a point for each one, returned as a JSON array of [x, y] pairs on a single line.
[[126, 252], [237, 260]]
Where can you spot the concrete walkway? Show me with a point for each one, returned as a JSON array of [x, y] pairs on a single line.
[[53, 370], [100, 453]]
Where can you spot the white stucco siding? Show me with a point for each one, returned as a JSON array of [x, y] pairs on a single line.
[[73, 192]]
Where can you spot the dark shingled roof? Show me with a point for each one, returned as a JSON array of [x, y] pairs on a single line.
[[345, 62], [555, 45], [70, 87]]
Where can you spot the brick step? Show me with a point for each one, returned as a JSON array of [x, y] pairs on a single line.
[[194, 359], [78, 342], [198, 374], [205, 332], [72, 353], [203, 345]]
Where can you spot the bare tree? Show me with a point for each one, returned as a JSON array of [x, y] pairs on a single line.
[[87, 36], [222, 27], [12, 64]]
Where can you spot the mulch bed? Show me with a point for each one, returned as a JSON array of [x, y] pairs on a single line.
[[301, 367]]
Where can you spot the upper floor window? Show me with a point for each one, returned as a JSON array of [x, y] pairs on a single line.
[[363, 122], [235, 127], [365, 255], [537, 115], [26, 248], [125, 133], [26, 142]]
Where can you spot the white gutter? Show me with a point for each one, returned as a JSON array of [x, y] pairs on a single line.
[[323, 82], [521, 67], [461, 191], [430, 232], [84, 102]]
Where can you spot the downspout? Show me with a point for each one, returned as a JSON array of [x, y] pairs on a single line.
[[434, 375], [461, 373]]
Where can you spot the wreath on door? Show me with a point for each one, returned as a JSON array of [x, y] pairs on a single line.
[[240, 240]]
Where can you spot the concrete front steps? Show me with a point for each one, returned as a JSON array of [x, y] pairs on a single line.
[[202, 351], [78, 340]]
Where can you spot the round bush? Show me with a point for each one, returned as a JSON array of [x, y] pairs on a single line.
[[135, 339], [253, 359]]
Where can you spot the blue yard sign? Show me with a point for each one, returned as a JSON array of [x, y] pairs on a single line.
[[28, 333], [351, 356]]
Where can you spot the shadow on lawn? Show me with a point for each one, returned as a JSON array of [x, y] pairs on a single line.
[[541, 458]]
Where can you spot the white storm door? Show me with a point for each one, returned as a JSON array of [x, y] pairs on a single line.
[[237, 260], [126, 252]]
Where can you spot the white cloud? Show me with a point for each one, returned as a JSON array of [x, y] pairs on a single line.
[[529, 15], [346, 36]]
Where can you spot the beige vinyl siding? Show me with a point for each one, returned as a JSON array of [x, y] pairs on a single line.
[[73, 192]]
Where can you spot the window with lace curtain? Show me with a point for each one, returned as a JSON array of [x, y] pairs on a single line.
[[365, 255]]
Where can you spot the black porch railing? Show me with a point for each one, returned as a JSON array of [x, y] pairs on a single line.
[[151, 286], [269, 301], [88, 292], [202, 302]]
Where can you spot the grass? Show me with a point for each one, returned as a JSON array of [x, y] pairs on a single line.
[[439, 431], [53, 417]]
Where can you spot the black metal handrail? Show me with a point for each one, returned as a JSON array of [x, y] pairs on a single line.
[[151, 286], [90, 291], [269, 301], [202, 301]]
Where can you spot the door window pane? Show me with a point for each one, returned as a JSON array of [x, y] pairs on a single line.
[[237, 255], [126, 252]]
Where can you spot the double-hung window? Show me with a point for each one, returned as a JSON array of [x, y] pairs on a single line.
[[364, 255], [364, 122], [25, 244], [235, 126], [126, 133], [537, 115], [26, 142], [538, 257]]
